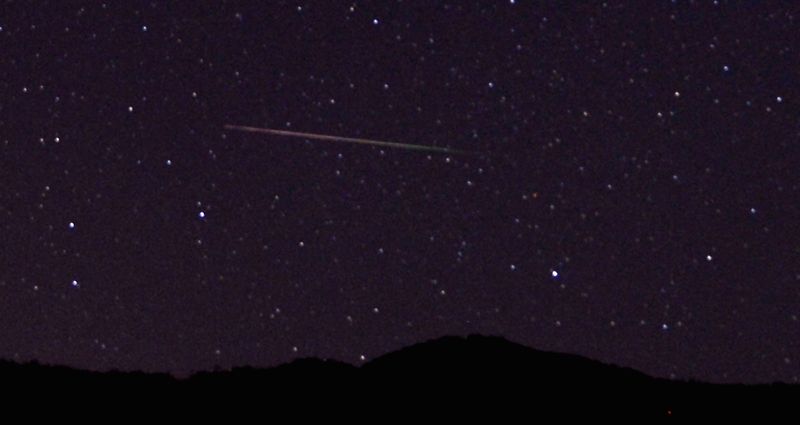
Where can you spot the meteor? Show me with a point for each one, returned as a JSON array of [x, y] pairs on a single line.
[[345, 139]]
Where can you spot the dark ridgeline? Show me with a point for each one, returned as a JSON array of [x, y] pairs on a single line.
[[453, 376]]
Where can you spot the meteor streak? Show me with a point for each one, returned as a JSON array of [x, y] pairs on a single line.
[[344, 139]]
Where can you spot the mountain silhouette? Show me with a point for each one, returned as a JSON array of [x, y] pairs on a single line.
[[463, 376]]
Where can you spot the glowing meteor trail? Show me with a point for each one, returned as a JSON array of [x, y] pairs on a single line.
[[344, 139]]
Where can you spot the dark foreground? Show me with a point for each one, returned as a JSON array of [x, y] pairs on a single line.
[[451, 378]]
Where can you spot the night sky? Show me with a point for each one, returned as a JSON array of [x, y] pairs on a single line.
[[633, 196]]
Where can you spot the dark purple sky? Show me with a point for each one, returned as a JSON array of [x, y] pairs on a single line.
[[635, 199]]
